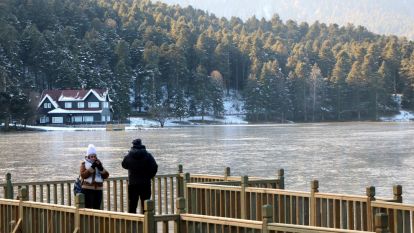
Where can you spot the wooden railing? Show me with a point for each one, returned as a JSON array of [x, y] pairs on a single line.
[[233, 197], [401, 216], [191, 223], [165, 189], [9, 214], [313, 208], [34, 217]]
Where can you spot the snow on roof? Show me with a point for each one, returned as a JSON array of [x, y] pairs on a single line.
[[64, 111], [54, 103], [73, 95]]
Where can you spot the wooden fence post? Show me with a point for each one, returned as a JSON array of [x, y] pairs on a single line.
[[149, 221], [381, 223], [226, 173], [8, 187], [397, 190], [180, 186], [281, 178], [243, 199], [79, 203], [186, 193], [313, 215], [23, 196], [267, 216], [370, 192], [178, 225]]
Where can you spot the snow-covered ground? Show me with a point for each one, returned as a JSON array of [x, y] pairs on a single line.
[[234, 115], [233, 110], [402, 116]]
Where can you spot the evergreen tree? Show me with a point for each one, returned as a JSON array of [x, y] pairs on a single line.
[[317, 85], [338, 80]]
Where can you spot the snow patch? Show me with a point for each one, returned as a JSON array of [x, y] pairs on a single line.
[[402, 117]]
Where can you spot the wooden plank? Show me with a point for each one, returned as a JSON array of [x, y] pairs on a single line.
[[358, 216], [159, 194], [165, 196], [350, 215], [55, 194], [407, 224], [324, 212], [115, 195], [121, 195], [48, 193], [172, 197]]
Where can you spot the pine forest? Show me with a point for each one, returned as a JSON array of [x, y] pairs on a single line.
[[168, 61]]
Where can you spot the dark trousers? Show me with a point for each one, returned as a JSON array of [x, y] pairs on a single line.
[[93, 198], [135, 192]]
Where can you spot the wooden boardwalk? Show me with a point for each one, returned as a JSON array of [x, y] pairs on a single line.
[[185, 203]]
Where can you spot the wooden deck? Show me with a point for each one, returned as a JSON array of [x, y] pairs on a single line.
[[184, 202]]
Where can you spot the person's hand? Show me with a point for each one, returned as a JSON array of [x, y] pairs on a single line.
[[99, 166], [94, 165]]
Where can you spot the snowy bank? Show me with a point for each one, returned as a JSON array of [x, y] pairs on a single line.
[[403, 116]]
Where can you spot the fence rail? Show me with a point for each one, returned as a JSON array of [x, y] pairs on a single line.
[[34, 217], [222, 196]]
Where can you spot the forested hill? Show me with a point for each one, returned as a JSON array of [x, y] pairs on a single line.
[[380, 16], [177, 62]]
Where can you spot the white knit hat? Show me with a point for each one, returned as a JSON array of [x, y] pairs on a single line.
[[91, 150]]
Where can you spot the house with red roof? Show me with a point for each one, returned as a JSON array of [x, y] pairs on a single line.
[[74, 107]]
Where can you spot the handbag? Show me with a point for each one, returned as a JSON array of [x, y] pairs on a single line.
[[77, 186]]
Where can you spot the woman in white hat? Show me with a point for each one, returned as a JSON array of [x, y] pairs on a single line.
[[93, 175]]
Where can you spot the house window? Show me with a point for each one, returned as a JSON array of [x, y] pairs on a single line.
[[47, 105], [44, 119], [88, 118], [77, 119], [103, 118], [81, 105], [105, 105], [57, 120], [108, 118], [93, 104], [68, 104]]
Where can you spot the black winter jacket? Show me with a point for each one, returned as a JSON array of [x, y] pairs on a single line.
[[141, 166]]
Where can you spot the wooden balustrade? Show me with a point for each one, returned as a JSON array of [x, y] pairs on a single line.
[[9, 214], [401, 216], [312, 208], [165, 189], [224, 196], [43, 217], [206, 224]]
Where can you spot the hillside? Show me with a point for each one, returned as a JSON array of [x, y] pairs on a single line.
[[173, 61], [379, 16]]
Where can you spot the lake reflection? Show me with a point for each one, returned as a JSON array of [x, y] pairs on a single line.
[[344, 157]]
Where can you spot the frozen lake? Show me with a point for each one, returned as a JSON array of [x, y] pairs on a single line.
[[344, 157]]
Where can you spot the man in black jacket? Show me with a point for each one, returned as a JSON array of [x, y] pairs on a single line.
[[141, 169]]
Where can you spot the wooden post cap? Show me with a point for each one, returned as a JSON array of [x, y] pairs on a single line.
[[397, 190], [281, 172], [267, 211], [370, 191], [227, 171], [23, 195], [80, 200], [315, 185], [180, 168], [180, 203], [187, 177], [244, 180], [149, 205]]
